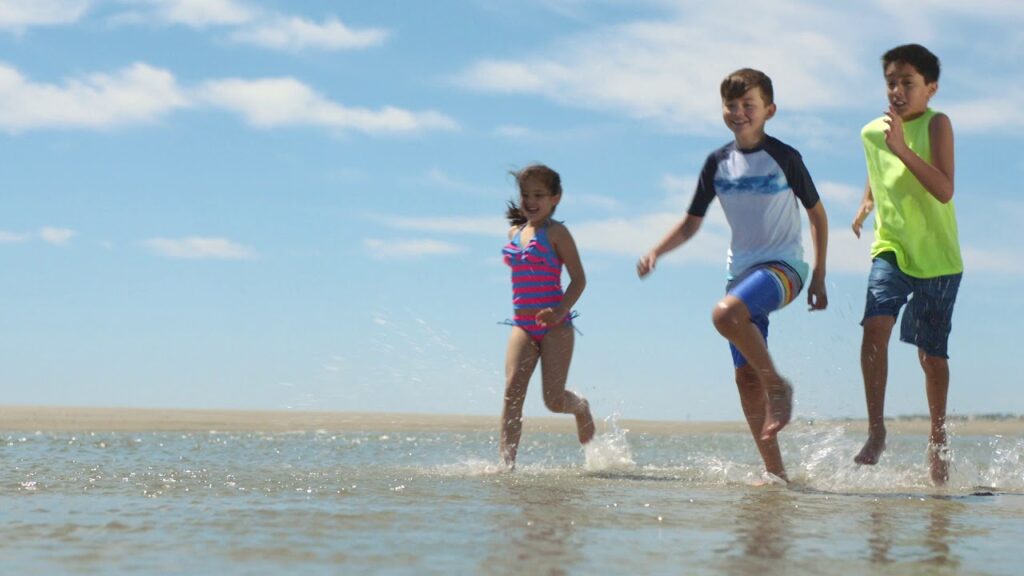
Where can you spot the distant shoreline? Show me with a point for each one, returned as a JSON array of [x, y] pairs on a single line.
[[85, 419]]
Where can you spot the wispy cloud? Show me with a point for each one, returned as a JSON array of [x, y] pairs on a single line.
[[20, 14], [13, 237], [485, 226], [996, 114], [669, 70], [203, 13], [138, 93], [272, 102], [839, 193], [142, 94], [57, 236], [252, 25], [410, 248], [199, 248], [294, 34]]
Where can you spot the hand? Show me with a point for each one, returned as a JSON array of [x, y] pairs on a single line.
[[645, 265], [858, 223], [547, 318], [894, 138], [817, 297]]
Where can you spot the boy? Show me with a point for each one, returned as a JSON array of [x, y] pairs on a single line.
[[909, 153], [759, 181]]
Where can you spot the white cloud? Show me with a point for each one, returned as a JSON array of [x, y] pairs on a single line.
[[138, 93], [272, 102], [669, 70], [12, 237], [202, 13], [294, 33], [484, 226], [199, 248], [987, 114], [409, 248], [255, 26], [513, 131], [999, 262], [19, 14], [842, 194], [56, 236]]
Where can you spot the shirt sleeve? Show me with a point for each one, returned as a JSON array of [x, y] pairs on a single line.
[[705, 188], [800, 181]]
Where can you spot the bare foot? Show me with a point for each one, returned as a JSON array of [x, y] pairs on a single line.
[[938, 459], [872, 449], [585, 423], [779, 409]]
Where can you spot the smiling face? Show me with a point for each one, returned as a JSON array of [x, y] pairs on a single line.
[[536, 201], [908, 91], [746, 116]]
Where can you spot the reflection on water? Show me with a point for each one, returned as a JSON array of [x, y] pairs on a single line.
[[535, 526], [913, 528]]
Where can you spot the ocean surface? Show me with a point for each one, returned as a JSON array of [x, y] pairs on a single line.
[[393, 502]]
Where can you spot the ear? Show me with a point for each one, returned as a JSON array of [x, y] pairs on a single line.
[[933, 87], [771, 111]]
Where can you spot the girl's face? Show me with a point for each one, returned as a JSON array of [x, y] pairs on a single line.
[[536, 201]]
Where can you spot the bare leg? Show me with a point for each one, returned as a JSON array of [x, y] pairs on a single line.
[[753, 400], [556, 356], [936, 379], [520, 361], [732, 319], [874, 366]]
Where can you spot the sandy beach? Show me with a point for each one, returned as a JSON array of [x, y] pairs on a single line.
[[76, 419]]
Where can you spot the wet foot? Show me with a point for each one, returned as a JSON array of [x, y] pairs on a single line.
[[585, 423], [938, 459], [872, 450], [779, 409]]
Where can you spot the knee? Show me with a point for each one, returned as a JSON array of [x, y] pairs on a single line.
[[727, 317], [554, 403], [932, 365]]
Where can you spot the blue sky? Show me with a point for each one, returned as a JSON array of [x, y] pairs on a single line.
[[298, 205]]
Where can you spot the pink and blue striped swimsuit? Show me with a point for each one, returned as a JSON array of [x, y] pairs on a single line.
[[536, 280]]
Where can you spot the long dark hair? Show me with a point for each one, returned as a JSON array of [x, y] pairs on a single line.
[[547, 177]]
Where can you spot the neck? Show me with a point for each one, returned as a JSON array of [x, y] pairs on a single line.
[[751, 142]]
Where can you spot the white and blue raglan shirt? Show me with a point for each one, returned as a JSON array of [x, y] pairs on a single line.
[[758, 189]]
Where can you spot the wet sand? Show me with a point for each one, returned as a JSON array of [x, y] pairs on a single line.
[[78, 419]]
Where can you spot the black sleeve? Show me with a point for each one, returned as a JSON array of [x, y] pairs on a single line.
[[705, 188], [800, 180]]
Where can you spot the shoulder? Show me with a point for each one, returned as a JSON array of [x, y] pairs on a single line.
[[556, 230], [784, 154], [940, 121], [874, 127]]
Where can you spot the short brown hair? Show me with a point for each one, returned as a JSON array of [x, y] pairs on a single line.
[[739, 82]]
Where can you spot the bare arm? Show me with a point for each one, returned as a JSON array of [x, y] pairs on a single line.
[[937, 176], [565, 248], [866, 206], [817, 296], [676, 237]]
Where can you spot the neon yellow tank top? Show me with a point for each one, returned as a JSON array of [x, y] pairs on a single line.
[[909, 221]]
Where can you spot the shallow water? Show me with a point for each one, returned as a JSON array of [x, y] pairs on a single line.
[[412, 503]]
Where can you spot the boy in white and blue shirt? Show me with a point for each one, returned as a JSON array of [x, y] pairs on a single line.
[[760, 181]]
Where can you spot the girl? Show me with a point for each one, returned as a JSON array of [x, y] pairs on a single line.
[[542, 330]]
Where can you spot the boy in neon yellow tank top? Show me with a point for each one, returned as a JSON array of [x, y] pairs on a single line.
[[909, 154]]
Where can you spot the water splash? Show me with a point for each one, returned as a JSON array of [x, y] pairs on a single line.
[[610, 451]]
